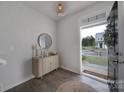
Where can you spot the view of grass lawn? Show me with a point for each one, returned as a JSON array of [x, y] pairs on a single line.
[[99, 60]]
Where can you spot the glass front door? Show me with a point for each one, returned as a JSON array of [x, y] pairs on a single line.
[[111, 35], [94, 51]]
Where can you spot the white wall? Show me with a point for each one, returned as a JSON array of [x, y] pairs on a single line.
[[19, 29], [68, 36]]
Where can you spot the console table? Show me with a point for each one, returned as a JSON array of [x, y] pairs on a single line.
[[42, 66]]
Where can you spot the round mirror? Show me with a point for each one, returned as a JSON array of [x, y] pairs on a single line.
[[44, 41]]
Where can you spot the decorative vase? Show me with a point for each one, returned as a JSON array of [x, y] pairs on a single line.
[[34, 50]]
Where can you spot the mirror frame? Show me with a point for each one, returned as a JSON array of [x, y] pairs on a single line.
[[38, 39]]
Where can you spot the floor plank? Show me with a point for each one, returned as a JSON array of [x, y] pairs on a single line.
[[54, 79]]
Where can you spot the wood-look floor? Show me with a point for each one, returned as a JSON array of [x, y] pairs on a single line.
[[53, 80]]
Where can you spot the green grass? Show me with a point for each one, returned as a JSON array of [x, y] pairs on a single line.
[[97, 60]]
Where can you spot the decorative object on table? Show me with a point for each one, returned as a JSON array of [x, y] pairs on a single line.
[[46, 52], [75, 86], [53, 53], [44, 41], [42, 53], [34, 50]]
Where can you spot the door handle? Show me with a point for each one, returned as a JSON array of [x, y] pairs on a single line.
[[122, 62], [115, 61]]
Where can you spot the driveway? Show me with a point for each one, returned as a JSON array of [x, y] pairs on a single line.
[[94, 53]]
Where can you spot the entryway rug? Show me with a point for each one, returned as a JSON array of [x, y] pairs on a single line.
[[75, 86]]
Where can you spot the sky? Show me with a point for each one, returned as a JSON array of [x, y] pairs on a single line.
[[92, 30]]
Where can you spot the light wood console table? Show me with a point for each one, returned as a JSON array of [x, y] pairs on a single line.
[[42, 66]]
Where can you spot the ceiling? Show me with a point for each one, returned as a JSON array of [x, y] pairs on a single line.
[[48, 7]]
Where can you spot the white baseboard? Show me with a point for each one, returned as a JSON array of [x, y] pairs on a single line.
[[18, 83], [69, 69]]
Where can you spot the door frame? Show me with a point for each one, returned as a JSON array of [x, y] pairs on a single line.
[[80, 44]]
